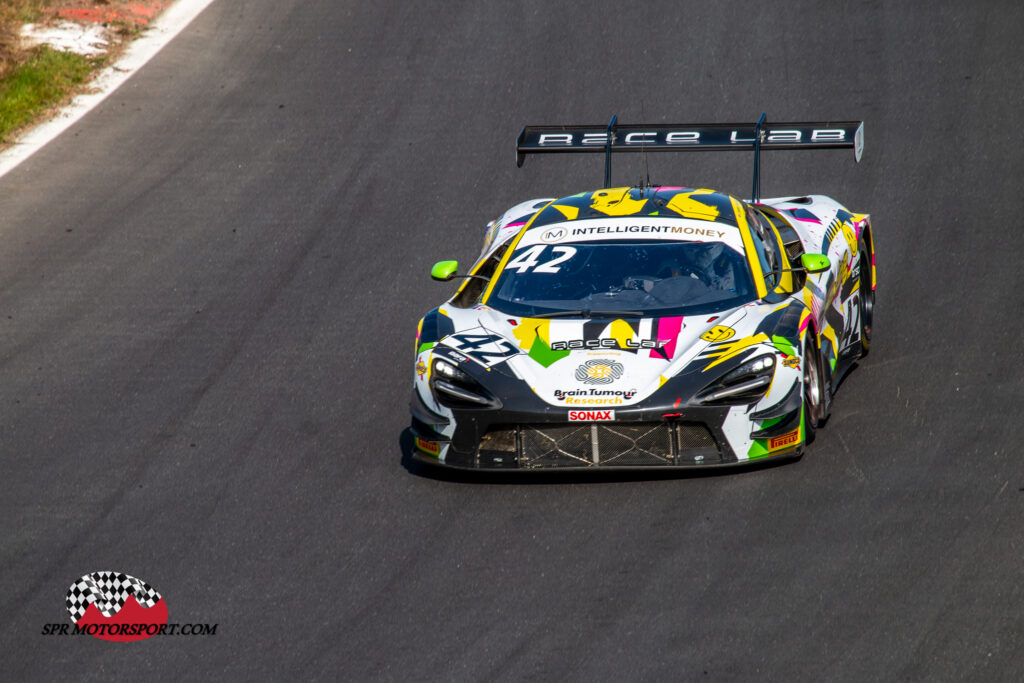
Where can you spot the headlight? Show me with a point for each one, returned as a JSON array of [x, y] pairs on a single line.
[[757, 367], [456, 389], [746, 383], [443, 368]]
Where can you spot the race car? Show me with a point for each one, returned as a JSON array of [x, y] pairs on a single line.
[[648, 326]]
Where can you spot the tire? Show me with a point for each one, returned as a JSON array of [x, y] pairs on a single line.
[[814, 390], [867, 302]]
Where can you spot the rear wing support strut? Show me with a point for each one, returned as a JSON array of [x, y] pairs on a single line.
[[755, 194], [607, 151]]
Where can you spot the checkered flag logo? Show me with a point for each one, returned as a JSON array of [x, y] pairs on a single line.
[[108, 591]]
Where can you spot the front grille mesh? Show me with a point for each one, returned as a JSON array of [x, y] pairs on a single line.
[[596, 445]]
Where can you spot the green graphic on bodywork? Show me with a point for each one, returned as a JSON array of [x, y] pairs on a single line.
[[425, 347], [533, 335], [784, 345], [758, 449], [542, 353]]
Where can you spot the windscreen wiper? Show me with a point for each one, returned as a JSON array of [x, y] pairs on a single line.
[[560, 314], [603, 314], [588, 314]]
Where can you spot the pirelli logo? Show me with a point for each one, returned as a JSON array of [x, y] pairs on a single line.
[[591, 415], [429, 447], [787, 439]]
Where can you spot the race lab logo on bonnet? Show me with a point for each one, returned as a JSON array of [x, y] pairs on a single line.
[[115, 606]]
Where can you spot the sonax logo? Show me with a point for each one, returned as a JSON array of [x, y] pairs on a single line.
[[115, 606], [591, 415]]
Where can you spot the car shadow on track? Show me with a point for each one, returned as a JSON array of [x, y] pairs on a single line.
[[548, 477]]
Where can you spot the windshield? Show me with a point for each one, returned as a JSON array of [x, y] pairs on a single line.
[[623, 277]]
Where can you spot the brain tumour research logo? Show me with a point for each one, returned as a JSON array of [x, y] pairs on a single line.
[[599, 372], [115, 606]]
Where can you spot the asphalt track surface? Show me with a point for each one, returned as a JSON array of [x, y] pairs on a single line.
[[208, 294]]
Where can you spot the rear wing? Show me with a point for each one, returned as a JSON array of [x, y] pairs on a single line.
[[707, 137]]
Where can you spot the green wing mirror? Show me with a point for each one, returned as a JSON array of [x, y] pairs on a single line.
[[812, 263], [445, 270]]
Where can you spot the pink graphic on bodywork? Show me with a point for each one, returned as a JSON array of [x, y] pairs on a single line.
[[505, 231], [668, 329], [859, 226]]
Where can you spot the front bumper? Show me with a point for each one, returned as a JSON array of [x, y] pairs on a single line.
[[543, 439]]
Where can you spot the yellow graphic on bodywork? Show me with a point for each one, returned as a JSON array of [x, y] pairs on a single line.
[[845, 270], [748, 247], [864, 221], [529, 329], [723, 351], [851, 237], [808, 300], [718, 333], [570, 212], [621, 332], [830, 334], [804, 320], [686, 206], [616, 202]]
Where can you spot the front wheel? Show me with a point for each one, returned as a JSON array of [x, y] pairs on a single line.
[[814, 390], [867, 302]]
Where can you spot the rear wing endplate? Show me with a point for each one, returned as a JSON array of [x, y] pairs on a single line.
[[706, 137]]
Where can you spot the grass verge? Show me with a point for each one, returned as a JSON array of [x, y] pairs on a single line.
[[39, 83], [36, 81]]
